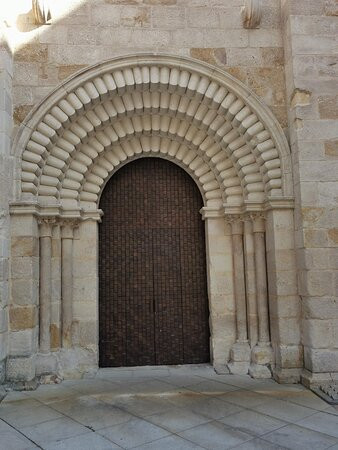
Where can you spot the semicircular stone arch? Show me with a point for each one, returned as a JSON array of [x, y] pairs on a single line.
[[176, 108], [228, 141]]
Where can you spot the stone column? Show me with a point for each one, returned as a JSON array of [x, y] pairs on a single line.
[[67, 230], [250, 281], [240, 352], [46, 225], [262, 352]]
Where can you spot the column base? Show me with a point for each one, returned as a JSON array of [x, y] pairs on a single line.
[[239, 358], [262, 353], [286, 376], [3, 393], [221, 369], [46, 364], [259, 371], [21, 369], [2, 371], [310, 379]]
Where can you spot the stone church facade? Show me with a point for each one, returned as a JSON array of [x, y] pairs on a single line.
[[169, 187]]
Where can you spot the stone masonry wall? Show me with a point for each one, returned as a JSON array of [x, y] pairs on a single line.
[[311, 56], [96, 30], [297, 49], [5, 185]]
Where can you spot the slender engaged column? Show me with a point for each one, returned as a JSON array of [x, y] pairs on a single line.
[[46, 226], [237, 243], [250, 281], [261, 281], [67, 282], [262, 353], [240, 352]]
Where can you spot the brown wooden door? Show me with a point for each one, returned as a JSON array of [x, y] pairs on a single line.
[[153, 306]]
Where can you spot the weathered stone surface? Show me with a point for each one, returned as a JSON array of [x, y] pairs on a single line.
[[140, 2], [3, 346], [23, 343], [333, 236], [25, 292], [65, 71], [160, 2], [331, 7], [75, 362], [24, 246], [2, 378], [135, 17], [300, 98], [216, 56], [321, 360], [46, 364], [32, 53], [20, 112], [55, 337], [22, 317], [331, 148], [20, 369], [259, 371], [328, 107]]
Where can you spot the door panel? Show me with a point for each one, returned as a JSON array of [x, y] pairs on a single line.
[[153, 306], [168, 297]]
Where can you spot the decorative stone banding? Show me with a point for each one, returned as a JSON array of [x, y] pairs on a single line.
[[201, 119]]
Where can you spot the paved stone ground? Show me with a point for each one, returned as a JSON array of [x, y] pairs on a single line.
[[178, 408]]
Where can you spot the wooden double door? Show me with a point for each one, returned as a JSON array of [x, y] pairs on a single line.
[[153, 305]]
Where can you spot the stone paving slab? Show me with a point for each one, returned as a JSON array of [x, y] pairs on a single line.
[[178, 408]]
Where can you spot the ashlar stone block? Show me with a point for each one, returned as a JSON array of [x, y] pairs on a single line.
[[23, 343], [20, 369], [22, 317]]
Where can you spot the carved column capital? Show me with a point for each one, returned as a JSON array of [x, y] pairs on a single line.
[[248, 228], [67, 228], [46, 226], [258, 222], [252, 13], [236, 222]]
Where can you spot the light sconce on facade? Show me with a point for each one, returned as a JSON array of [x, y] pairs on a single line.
[[252, 13]]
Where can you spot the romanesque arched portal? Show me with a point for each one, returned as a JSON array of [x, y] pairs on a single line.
[[153, 301], [232, 146]]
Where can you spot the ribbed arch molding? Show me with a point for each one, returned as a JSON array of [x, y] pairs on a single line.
[[175, 108]]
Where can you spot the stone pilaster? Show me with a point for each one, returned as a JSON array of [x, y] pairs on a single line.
[[284, 302], [24, 302]]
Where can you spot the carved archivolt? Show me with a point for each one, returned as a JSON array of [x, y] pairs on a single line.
[[175, 108]]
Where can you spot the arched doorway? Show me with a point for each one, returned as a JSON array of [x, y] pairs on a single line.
[[215, 128], [153, 304]]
